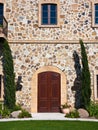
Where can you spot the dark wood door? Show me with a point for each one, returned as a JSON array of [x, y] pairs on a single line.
[[48, 92]]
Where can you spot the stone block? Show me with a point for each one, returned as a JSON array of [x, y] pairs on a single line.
[[15, 114], [83, 113]]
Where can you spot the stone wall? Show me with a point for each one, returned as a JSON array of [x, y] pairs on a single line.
[[75, 21], [30, 57]]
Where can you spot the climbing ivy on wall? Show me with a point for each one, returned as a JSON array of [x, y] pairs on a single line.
[[86, 81], [9, 76]]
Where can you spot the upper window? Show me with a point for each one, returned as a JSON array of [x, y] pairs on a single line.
[[49, 13], [1, 13], [95, 13]]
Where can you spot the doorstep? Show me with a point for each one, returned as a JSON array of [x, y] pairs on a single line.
[[49, 116]]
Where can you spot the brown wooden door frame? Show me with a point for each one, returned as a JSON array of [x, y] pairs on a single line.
[[49, 91]]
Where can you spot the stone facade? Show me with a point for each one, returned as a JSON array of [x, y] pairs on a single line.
[[30, 57], [34, 47], [75, 21]]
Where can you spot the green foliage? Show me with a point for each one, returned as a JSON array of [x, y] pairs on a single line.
[[49, 125], [65, 105], [93, 109], [73, 114], [17, 107], [24, 114], [5, 113], [0, 106], [9, 76], [85, 78], [96, 116]]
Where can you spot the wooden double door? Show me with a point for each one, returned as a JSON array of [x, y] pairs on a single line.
[[49, 92]]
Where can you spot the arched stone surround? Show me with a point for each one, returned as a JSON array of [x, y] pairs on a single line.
[[34, 84]]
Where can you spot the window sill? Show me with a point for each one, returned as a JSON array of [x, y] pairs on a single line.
[[49, 26], [95, 25]]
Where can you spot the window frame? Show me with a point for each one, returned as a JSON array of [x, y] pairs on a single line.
[[40, 13], [48, 17], [93, 13]]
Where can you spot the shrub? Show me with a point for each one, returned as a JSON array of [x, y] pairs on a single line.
[[5, 113], [85, 78], [65, 105], [96, 116], [24, 114], [0, 106], [17, 107], [73, 114], [93, 109], [9, 76]]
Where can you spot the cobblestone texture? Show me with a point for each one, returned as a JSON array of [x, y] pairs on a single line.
[[75, 22], [30, 57]]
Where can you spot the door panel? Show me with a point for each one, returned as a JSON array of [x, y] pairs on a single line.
[[48, 92], [42, 93], [55, 92]]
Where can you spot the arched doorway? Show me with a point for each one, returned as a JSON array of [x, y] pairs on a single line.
[[49, 92], [34, 84]]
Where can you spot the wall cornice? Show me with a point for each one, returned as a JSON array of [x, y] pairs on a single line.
[[51, 41]]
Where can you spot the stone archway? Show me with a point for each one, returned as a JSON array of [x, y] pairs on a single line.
[[34, 88], [49, 91]]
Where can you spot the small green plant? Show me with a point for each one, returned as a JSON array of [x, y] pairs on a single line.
[[17, 107], [24, 114], [73, 114], [93, 109], [65, 106], [0, 106], [96, 116], [5, 113]]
